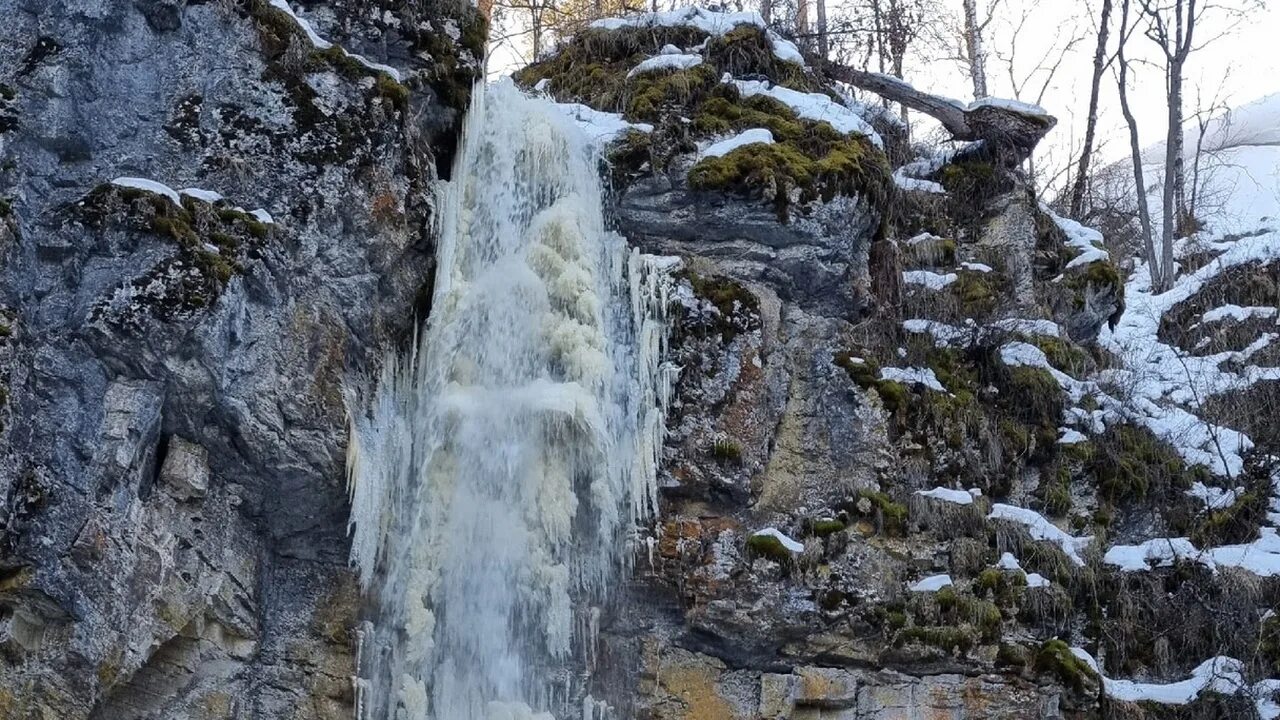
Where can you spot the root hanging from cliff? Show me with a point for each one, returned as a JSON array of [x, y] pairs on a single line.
[[500, 472]]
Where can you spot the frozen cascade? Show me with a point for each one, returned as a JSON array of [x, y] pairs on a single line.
[[500, 472]]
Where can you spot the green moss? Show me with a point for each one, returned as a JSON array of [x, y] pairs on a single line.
[[629, 154], [649, 94], [1130, 463], [823, 527], [770, 547], [1012, 656], [1063, 354], [746, 51], [783, 171], [1055, 657], [394, 92], [862, 371], [1238, 523], [1269, 644], [734, 303], [952, 639], [341, 62], [1095, 277], [892, 516], [1055, 490], [975, 292], [726, 451]]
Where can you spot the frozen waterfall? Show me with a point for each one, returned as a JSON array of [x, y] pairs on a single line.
[[500, 471]]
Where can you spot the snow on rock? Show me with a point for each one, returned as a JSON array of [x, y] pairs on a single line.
[[1085, 239], [905, 182], [959, 497], [1237, 313], [150, 186], [601, 127], [708, 21], [786, 540], [1070, 437], [1023, 108], [322, 44], [928, 278], [813, 106], [1026, 326], [942, 333], [208, 196], [1020, 354], [746, 137], [1041, 529], [1036, 580], [677, 61], [933, 583], [1221, 674], [976, 267], [911, 376], [1260, 557], [1214, 498]]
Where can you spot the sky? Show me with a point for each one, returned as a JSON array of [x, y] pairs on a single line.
[[1240, 63]]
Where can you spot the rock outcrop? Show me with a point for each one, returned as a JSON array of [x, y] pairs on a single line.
[[890, 475], [172, 500]]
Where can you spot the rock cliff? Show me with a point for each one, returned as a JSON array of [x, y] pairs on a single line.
[[906, 456], [214, 215]]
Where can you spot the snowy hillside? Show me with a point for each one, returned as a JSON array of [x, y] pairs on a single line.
[[1239, 168]]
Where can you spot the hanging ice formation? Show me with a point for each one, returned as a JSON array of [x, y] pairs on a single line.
[[501, 470]]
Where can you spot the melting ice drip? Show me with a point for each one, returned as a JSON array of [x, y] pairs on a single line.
[[500, 472]]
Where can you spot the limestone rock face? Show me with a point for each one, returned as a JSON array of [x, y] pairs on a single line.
[[172, 500]]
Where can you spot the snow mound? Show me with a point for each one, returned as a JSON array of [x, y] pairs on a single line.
[[599, 126], [933, 583], [746, 137], [665, 61], [708, 21], [911, 376], [812, 106], [786, 540]]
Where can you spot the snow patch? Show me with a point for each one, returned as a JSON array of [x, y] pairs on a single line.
[[786, 540], [959, 497], [676, 61], [933, 583], [813, 106], [746, 137], [929, 279], [708, 21], [911, 376], [601, 127], [1041, 529]]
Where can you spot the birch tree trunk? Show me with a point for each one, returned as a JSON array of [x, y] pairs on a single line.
[[973, 47]]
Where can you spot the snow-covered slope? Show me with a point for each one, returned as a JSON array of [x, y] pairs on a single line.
[[1239, 185]]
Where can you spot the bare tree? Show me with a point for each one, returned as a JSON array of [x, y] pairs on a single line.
[[1100, 63], [1159, 264], [1171, 26], [1030, 82]]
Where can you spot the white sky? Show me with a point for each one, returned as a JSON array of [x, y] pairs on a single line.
[[1232, 70]]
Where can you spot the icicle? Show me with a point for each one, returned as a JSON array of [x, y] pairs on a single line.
[[500, 473]]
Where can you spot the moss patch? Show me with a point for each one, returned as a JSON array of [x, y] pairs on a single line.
[[1055, 657], [212, 243]]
